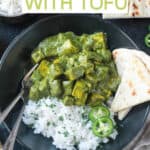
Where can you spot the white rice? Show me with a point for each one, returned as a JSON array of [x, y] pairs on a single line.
[[10, 7], [68, 126]]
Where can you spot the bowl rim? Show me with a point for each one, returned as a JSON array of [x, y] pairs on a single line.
[[31, 27]]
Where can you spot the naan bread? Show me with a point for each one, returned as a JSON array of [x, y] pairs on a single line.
[[120, 61], [123, 113], [134, 88], [137, 9], [147, 8]]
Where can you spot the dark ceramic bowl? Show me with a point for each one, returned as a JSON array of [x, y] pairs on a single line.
[[16, 61]]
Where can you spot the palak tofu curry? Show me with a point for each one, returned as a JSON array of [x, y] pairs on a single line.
[[79, 70]]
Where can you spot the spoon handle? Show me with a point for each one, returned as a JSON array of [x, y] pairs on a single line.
[[5, 113], [9, 144]]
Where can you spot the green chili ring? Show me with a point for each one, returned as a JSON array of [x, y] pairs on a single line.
[[103, 127], [98, 112], [147, 40]]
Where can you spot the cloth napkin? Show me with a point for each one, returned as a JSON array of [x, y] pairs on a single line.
[[0, 146], [142, 140]]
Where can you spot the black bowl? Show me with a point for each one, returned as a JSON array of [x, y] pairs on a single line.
[[16, 61]]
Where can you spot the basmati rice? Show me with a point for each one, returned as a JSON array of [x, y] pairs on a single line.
[[68, 126]]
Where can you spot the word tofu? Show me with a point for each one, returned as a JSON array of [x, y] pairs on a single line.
[[75, 6]]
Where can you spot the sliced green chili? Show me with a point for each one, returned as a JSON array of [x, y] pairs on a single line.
[[97, 112], [147, 40], [103, 127]]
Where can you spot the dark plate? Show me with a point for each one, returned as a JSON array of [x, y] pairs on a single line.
[[16, 61]]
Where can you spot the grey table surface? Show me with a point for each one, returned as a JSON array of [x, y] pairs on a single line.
[[136, 29]]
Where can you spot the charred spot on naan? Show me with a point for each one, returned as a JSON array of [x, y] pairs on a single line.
[[133, 93], [136, 10], [134, 6], [115, 53], [130, 84], [145, 65], [148, 91], [141, 74]]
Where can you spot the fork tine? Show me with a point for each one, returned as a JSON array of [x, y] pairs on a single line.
[[30, 72]]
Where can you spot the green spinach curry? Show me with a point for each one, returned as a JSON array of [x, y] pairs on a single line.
[[79, 70]]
